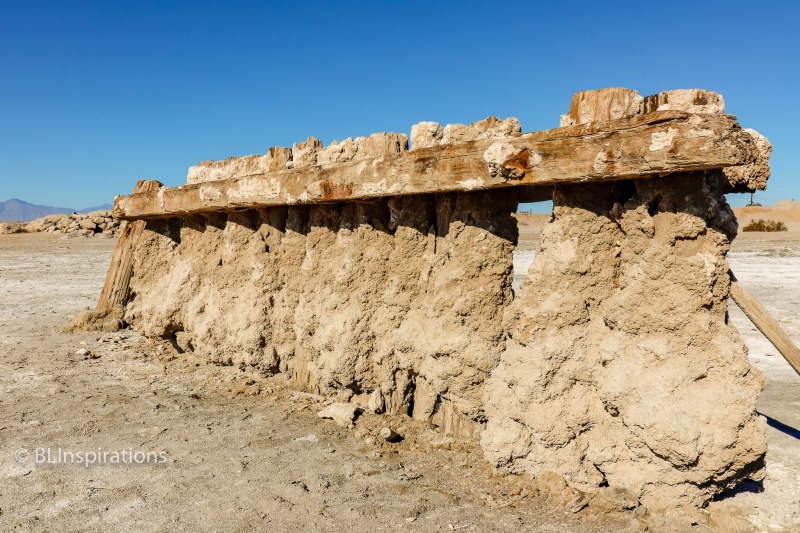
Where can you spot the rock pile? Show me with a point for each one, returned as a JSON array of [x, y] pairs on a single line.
[[94, 224], [13, 227]]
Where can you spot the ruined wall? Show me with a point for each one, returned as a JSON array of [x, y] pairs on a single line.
[[614, 365], [620, 366], [396, 302]]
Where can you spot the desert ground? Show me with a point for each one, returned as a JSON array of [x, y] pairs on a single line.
[[241, 452]]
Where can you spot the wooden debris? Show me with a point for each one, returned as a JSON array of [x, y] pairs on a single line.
[[389, 435], [612, 103], [765, 323]]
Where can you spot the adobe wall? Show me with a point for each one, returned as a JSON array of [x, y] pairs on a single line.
[[397, 303], [614, 365], [394, 304]]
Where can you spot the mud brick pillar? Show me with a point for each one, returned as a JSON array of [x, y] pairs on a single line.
[[620, 367]]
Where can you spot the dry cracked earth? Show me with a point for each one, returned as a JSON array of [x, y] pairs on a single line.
[[232, 451]]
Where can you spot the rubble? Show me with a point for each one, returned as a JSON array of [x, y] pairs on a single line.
[[389, 435], [108, 320], [343, 414], [14, 227], [94, 224]]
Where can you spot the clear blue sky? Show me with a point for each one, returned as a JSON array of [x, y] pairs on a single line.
[[96, 95]]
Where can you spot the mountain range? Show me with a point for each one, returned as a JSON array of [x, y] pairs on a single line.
[[20, 211]]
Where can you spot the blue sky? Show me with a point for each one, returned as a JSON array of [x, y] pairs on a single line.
[[96, 95]]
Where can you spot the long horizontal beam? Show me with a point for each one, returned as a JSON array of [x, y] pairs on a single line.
[[658, 143]]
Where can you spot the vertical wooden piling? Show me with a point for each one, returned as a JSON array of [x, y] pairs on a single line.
[[117, 286]]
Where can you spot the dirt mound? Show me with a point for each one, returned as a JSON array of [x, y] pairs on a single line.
[[13, 227], [786, 211], [108, 320], [533, 220]]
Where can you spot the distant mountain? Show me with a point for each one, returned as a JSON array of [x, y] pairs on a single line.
[[104, 207], [20, 211]]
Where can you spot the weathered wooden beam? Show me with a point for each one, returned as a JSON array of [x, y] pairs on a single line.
[[117, 286], [765, 323], [658, 143], [534, 193], [617, 102]]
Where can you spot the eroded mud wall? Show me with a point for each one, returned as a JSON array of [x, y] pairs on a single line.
[[395, 304], [621, 367]]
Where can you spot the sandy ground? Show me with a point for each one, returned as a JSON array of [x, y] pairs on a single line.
[[786, 211], [768, 264], [225, 454]]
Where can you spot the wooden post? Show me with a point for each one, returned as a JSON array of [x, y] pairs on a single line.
[[765, 323], [117, 286]]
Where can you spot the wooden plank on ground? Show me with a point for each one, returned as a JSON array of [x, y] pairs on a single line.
[[765, 323], [659, 143], [117, 286]]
